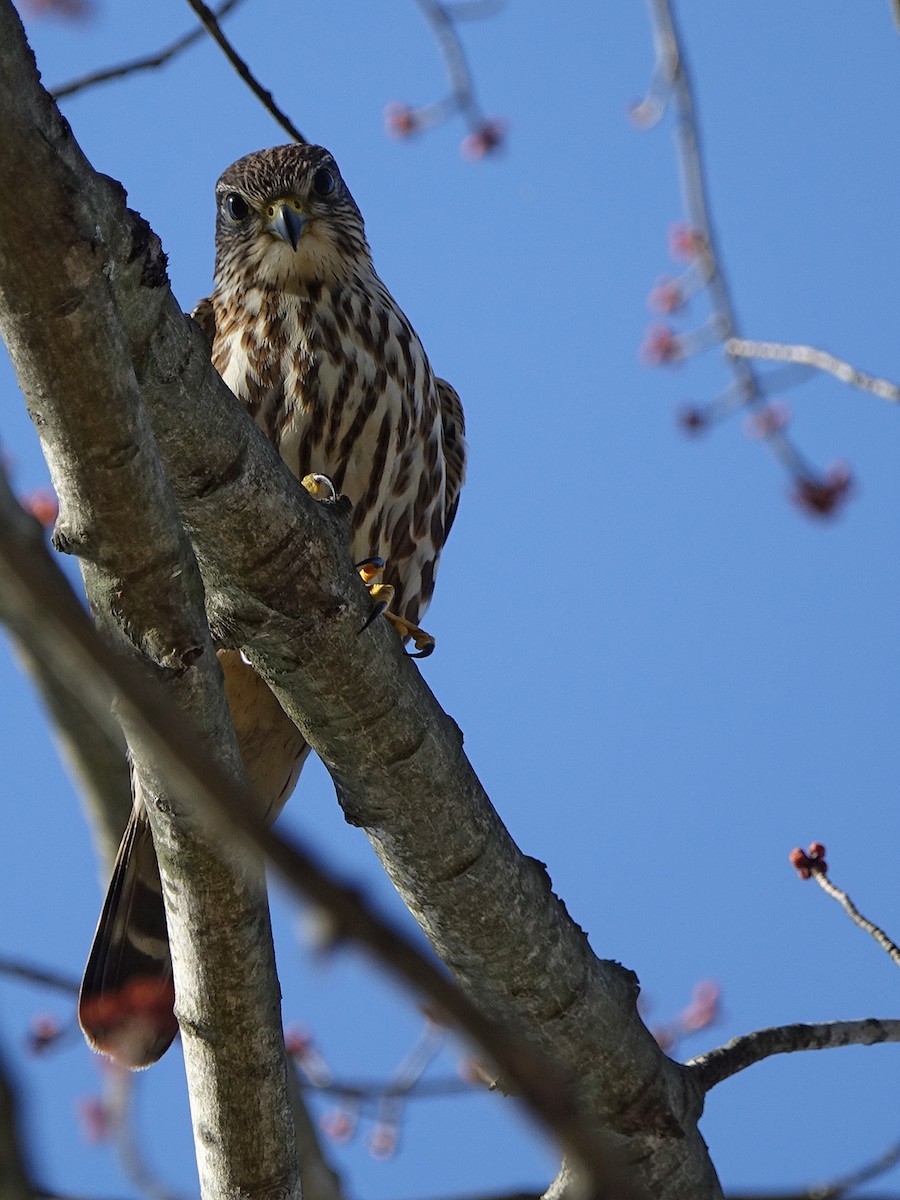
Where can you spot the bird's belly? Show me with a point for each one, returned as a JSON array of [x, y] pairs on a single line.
[[367, 439]]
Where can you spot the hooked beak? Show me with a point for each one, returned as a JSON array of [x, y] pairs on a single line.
[[288, 224]]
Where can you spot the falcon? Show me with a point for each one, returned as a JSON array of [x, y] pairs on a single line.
[[307, 336]]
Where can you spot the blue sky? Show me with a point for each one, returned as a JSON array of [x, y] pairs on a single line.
[[667, 676]]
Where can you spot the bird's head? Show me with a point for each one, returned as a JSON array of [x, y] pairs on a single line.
[[286, 218]]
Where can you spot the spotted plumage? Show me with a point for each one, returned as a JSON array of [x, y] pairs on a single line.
[[307, 336]]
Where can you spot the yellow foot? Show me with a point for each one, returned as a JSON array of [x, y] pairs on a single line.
[[383, 595], [423, 642], [319, 487]]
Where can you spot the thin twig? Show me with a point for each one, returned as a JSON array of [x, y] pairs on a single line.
[[15, 1175], [742, 1052], [486, 135], [119, 1106], [838, 1188], [319, 1180], [462, 95], [671, 81], [473, 10], [214, 29], [820, 360], [375, 1090], [887, 945], [15, 969], [520, 1195], [149, 62]]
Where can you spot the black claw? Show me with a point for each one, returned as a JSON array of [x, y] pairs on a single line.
[[374, 561], [423, 653], [376, 612]]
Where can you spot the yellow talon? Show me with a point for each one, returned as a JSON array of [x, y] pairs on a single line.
[[383, 595], [369, 569], [423, 642]]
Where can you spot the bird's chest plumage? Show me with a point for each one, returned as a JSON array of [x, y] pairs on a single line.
[[340, 383]]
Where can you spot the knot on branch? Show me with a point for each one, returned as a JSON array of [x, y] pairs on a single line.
[[146, 248]]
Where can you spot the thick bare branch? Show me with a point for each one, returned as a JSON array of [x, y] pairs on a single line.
[[279, 583], [44, 609], [119, 517], [742, 1052]]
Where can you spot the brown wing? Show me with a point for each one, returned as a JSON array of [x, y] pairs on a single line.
[[454, 424], [205, 316]]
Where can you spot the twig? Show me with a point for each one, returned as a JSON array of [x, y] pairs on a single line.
[[214, 29], [820, 360], [119, 1105], [742, 1052], [462, 93], [318, 1178], [14, 1173], [838, 1188], [889, 947], [93, 752], [15, 969], [671, 81], [149, 62], [485, 135], [375, 1090], [520, 1195], [812, 863]]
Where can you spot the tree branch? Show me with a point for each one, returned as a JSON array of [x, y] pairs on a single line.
[[742, 1052], [15, 1180], [671, 81], [215, 31], [149, 62], [44, 609], [819, 360], [279, 583], [93, 751], [75, 368], [28, 973], [840, 1187], [319, 1180]]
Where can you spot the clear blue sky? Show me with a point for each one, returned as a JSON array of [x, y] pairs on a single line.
[[667, 676]]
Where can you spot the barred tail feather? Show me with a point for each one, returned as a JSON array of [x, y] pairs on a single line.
[[127, 995]]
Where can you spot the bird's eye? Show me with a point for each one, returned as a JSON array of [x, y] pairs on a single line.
[[323, 182], [236, 206]]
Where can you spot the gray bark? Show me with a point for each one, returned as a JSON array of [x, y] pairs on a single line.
[[279, 583], [118, 515]]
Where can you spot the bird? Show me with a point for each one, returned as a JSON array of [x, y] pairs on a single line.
[[306, 335]]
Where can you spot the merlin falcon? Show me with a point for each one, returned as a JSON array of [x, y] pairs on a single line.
[[307, 336]]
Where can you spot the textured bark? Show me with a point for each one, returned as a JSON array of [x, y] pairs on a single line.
[[118, 515], [279, 583], [742, 1052], [40, 605]]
